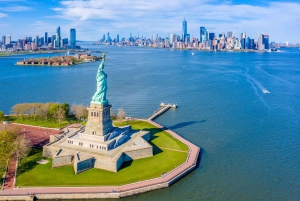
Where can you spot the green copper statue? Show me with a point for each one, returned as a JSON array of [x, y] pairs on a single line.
[[100, 95]]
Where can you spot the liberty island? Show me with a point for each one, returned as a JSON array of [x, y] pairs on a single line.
[[100, 145]]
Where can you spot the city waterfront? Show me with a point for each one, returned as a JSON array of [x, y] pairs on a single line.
[[249, 138]]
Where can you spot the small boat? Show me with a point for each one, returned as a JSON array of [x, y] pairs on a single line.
[[193, 53], [174, 105], [265, 91]]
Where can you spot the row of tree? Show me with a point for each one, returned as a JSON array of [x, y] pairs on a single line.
[[41, 111], [58, 111], [12, 142]]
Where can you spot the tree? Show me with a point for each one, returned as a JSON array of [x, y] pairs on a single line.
[[66, 107], [36, 110], [79, 111], [28, 109], [7, 139], [53, 108], [121, 114], [2, 117], [16, 109], [22, 146], [23, 110], [59, 114], [45, 110], [112, 113]]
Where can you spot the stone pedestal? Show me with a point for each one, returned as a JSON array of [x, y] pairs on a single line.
[[99, 122]]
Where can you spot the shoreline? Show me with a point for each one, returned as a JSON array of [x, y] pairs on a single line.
[[30, 53]]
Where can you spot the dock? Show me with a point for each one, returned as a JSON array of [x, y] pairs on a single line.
[[163, 108]]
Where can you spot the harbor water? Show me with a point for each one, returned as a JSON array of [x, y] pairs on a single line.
[[249, 138]]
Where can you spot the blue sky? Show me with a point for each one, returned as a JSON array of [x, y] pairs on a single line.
[[93, 18]]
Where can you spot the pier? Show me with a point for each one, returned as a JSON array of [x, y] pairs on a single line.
[[163, 108]]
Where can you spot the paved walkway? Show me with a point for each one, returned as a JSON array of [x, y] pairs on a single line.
[[10, 175], [166, 178]]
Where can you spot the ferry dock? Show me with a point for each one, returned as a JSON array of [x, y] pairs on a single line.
[[163, 108]]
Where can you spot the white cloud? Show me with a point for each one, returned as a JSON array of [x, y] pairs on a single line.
[[2, 15], [16, 8], [11, 0], [280, 20]]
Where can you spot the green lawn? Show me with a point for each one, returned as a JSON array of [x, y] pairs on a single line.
[[32, 174], [30, 121], [159, 137]]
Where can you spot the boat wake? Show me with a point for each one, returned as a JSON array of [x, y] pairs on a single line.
[[273, 76], [259, 85]]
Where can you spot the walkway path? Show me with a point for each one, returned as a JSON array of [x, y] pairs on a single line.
[[124, 190], [10, 175]]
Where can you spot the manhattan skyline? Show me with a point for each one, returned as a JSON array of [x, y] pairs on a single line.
[[93, 18]]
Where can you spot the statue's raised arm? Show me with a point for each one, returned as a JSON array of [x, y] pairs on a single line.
[[100, 95], [101, 66]]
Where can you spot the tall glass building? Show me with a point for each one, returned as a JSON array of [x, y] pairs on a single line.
[[46, 38], [58, 37], [202, 33], [3, 40], [73, 38], [184, 30], [263, 42], [266, 41]]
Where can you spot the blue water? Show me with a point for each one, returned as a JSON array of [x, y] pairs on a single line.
[[250, 140]]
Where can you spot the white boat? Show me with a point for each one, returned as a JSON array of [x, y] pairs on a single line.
[[174, 105], [265, 91], [162, 104], [193, 53]]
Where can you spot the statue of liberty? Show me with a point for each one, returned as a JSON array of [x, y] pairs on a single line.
[[100, 95]]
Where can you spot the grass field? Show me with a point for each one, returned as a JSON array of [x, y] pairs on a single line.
[[31, 173], [30, 121], [159, 137]]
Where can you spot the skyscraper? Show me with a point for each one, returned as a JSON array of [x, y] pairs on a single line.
[[229, 34], [58, 38], [58, 30], [184, 30], [263, 42], [243, 35], [108, 37], [118, 38], [52, 40], [46, 38], [7, 40], [73, 38], [266, 41], [211, 36], [37, 40], [247, 43], [42, 41], [171, 37], [202, 33], [3, 40]]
